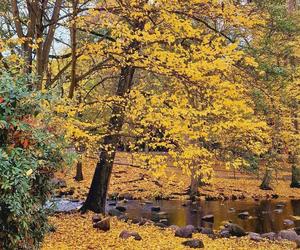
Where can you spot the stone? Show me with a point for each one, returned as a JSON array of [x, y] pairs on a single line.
[[205, 230], [297, 230], [278, 211], [255, 236], [270, 236], [123, 217], [195, 243], [164, 221], [174, 227], [224, 233], [209, 218], [155, 208], [113, 203], [243, 215], [121, 208], [185, 232], [160, 224], [290, 235], [288, 222], [231, 210], [114, 212], [58, 183], [103, 225], [235, 230], [280, 205], [126, 196], [127, 234], [96, 218]]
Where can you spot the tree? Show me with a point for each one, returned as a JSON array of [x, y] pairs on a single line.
[[178, 43]]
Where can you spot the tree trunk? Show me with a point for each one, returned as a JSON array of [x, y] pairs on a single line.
[[295, 177], [266, 182], [194, 187], [96, 198], [79, 174]]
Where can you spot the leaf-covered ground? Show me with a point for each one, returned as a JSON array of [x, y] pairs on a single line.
[[141, 184], [75, 231]]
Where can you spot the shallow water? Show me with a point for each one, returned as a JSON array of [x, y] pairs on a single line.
[[262, 217], [263, 214]]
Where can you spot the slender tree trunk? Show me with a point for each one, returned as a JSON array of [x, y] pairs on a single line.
[[194, 187], [79, 174], [96, 199], [266, 182]]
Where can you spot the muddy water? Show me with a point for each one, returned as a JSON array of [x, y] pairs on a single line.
[[265, 215]]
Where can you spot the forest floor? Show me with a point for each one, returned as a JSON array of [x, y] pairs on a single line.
[[139, 183], [75, 232]]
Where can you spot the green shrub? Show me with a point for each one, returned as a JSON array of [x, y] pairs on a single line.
[[29, 154]]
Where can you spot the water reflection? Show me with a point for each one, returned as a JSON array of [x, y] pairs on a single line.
[[265, 215]]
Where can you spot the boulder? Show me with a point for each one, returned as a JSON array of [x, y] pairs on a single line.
[[185, 232], [155, 208], [195, 243], [278, 210], [121, 208], [243, 215], [103, 225], [270, 236], [255, 236], [114, 212], [127, 234], [208, 218], [235, 230], [290, 235]]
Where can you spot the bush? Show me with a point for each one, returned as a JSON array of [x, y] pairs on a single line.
[[29, 154]]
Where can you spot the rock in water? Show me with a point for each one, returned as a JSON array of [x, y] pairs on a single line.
[[208, 218], [103, 225], [193, 243], [243, 215], [155, 209], [121, 208], [127, 234]]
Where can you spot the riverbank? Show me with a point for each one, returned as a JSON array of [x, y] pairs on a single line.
[[137, 183], [75, 231]]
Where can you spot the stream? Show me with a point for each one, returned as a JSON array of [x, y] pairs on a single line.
[[264, 215]]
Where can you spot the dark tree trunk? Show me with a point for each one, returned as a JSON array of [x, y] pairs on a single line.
[[79, 174], [266, 182], [295, 177], [96, 198]]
